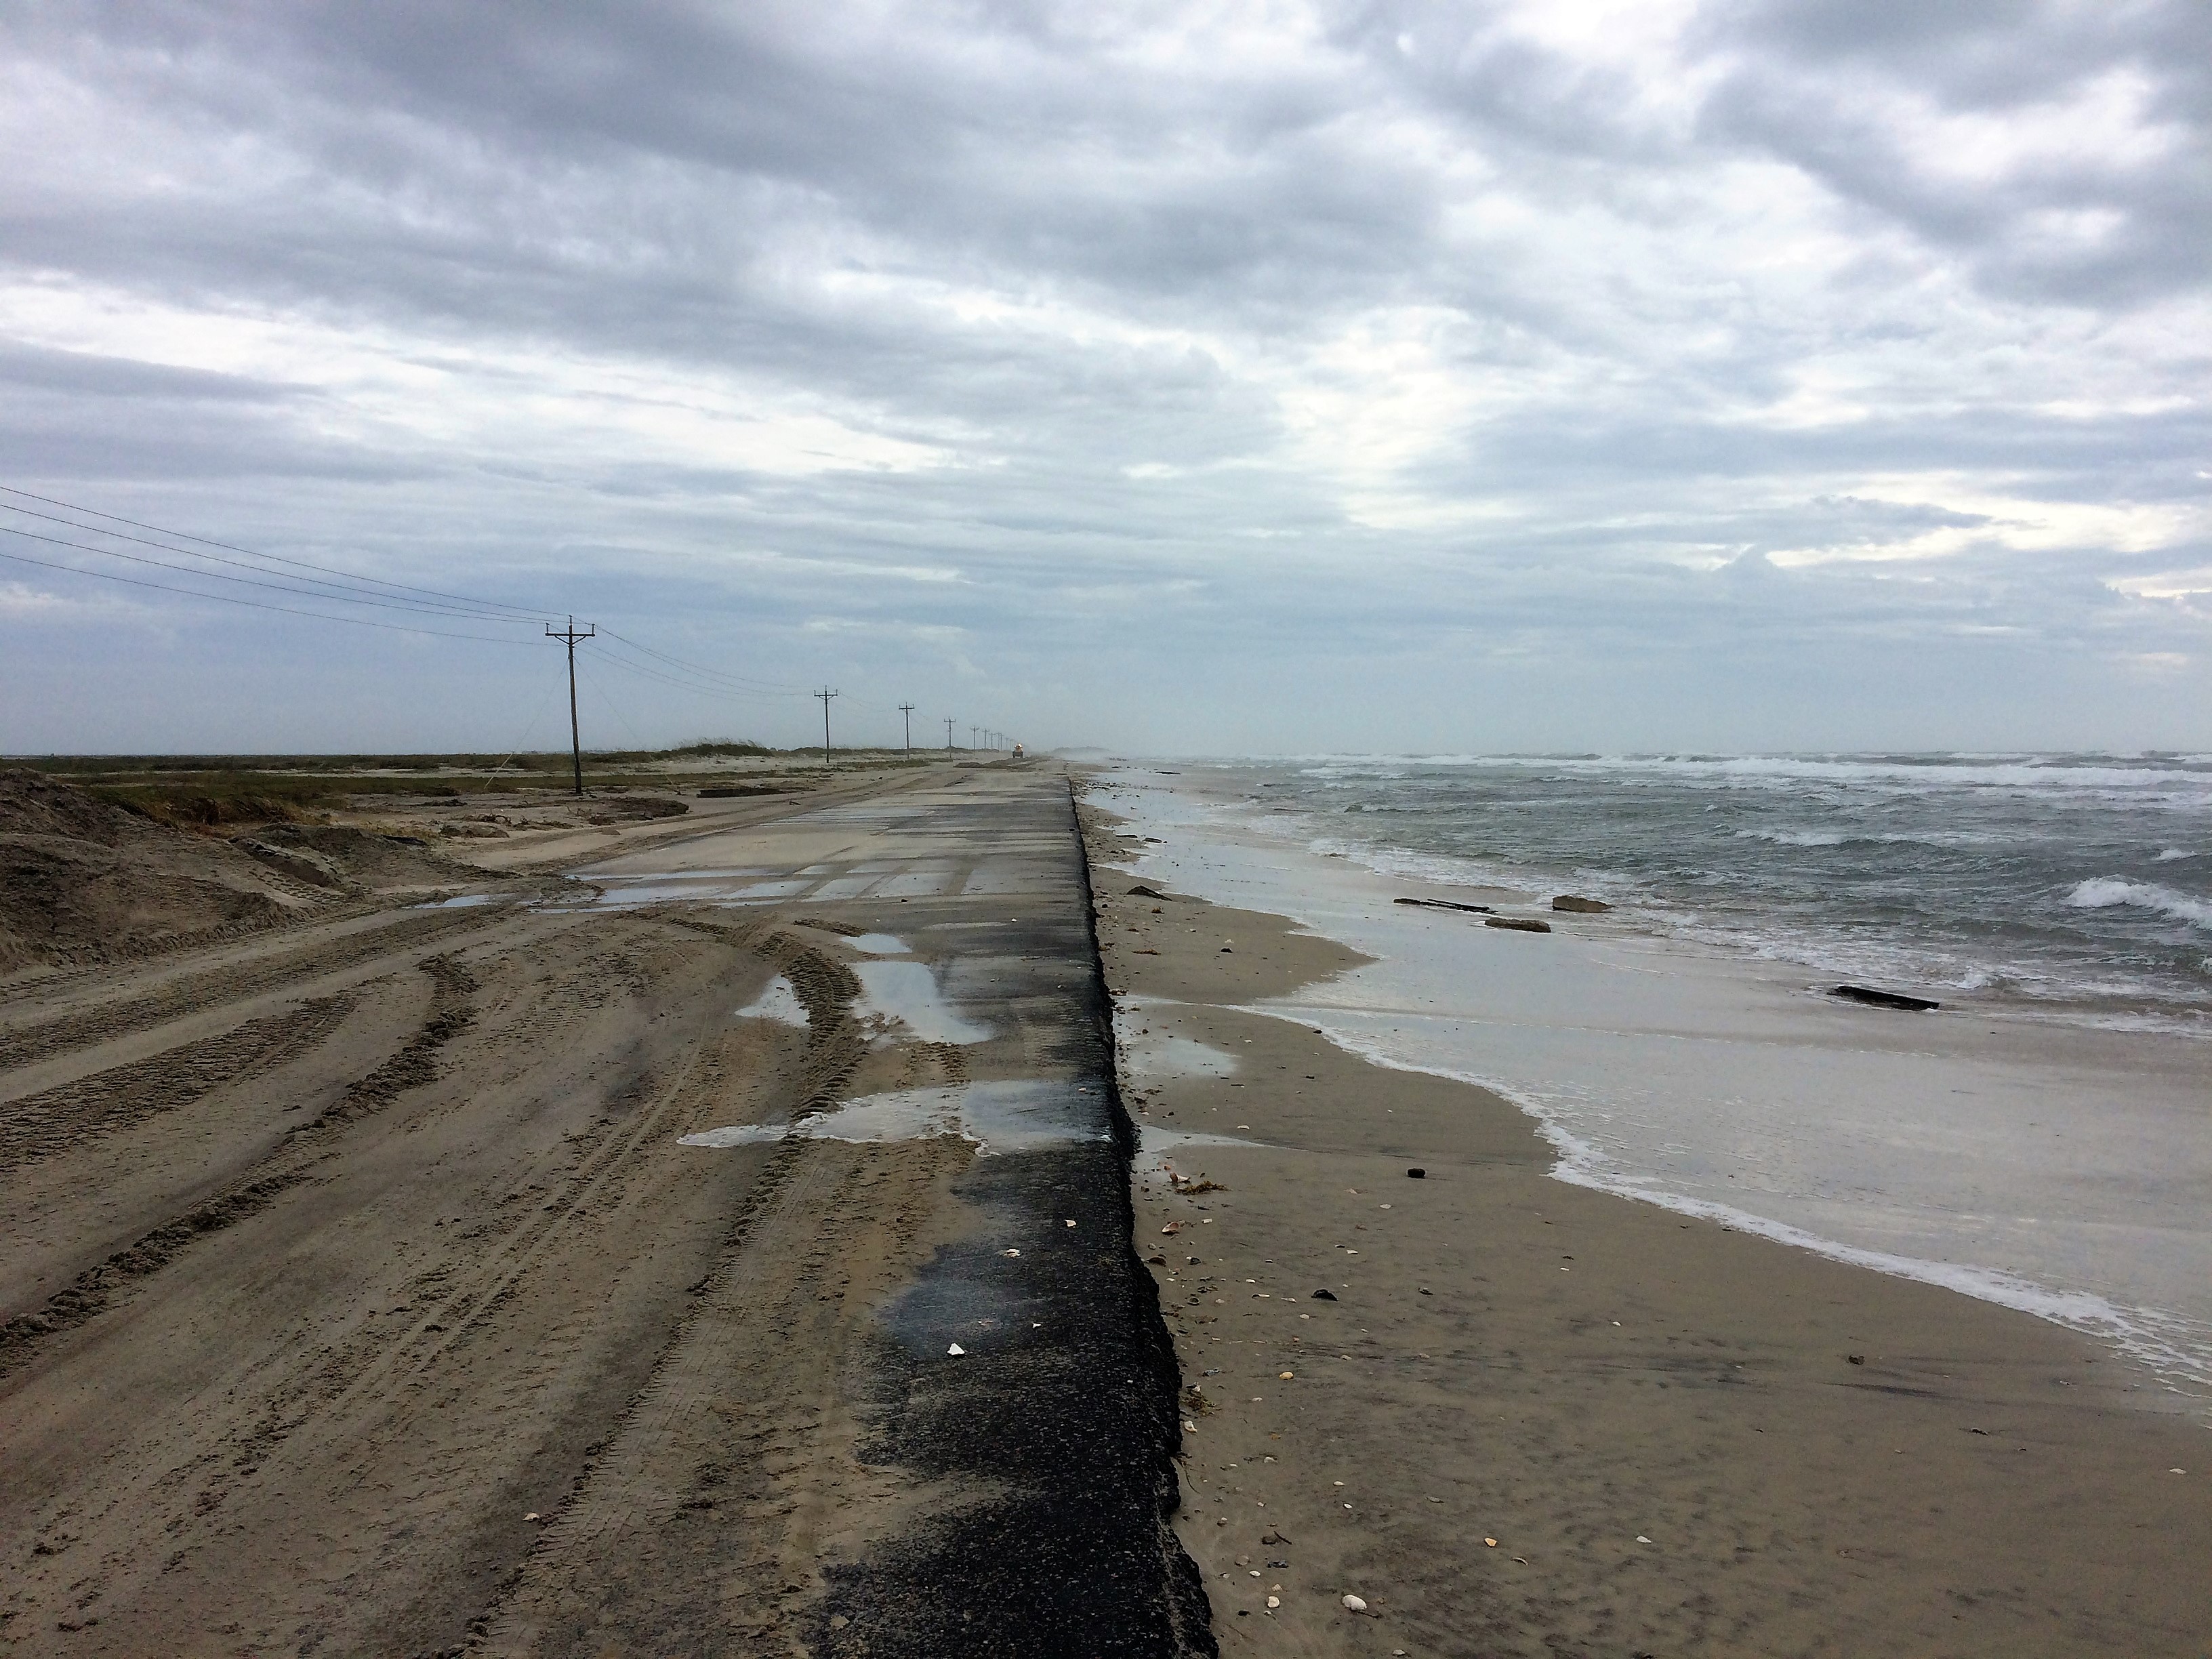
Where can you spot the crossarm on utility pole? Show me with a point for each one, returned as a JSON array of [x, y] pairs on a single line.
[[569, 636]]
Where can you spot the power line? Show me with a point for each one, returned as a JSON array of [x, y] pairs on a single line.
[[412, 607], [768, 687], [342, 591], [723, 693], [519, 613], [254, 604], [331, 585]]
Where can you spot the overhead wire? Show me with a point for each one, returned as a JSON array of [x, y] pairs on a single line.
[[696, 688], [768, 687], [552, 690], [331, 586], [600, 692], [255, 605], [343, 591], [411, 608], [519, 612]]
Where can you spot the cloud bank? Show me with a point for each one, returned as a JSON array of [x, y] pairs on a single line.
[[1282, 376]]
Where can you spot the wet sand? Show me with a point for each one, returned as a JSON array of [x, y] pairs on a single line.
[[1682, 1438]]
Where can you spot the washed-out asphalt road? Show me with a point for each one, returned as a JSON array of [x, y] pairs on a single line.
[[732, 1253]]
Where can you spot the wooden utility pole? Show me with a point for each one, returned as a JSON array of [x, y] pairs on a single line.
[[948, 730], [825, 693], [907, 709], [569, 636]]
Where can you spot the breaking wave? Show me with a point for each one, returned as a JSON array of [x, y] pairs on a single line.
[[2102, 891]]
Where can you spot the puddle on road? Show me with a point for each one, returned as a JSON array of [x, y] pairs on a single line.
[[778, 1002], [458, 902], [907, 992], [998, 1117], [878, 945]]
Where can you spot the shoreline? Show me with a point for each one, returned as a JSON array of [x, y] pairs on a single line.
[[2049, 1167], [1682, 1436]]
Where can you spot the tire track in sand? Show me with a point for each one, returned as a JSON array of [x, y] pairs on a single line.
[[96, 1289]]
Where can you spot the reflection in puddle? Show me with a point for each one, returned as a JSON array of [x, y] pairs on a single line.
[[652, 893], [998, 1117], [778, 1002], [907, 992], [878, 945]]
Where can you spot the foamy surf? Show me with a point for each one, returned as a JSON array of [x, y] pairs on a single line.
[[2053, 1172]]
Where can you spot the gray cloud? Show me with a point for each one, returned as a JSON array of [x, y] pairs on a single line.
[[1151, 379]]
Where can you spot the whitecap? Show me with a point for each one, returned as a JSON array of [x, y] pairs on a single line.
[[2100, 892]]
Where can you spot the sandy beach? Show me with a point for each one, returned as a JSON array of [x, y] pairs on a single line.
[[1529, 1417], [890, 1222]]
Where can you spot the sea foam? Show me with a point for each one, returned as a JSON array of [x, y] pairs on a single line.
[[2101, 891]]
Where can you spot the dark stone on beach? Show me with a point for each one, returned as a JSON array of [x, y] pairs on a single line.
[[1518, 924], [1588, 907], [1855, 1359], [1417, 1174], [1141, 891], [1324, 1295], [1872, 997]]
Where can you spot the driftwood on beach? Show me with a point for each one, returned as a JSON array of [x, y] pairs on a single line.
[[1443, 904], [1867, 994]]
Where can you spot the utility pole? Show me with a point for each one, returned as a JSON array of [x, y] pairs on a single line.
[[948, 732], [576, 739], [971, 736], [907, 709], [825, 693]]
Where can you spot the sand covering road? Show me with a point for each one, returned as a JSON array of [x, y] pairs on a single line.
[[85, 881], [360, 1295]]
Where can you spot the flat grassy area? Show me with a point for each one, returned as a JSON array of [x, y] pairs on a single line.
[[205, 791]]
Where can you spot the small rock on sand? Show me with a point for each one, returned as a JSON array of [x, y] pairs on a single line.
[[1582, 906], [1354, 1604], [1518, 924]]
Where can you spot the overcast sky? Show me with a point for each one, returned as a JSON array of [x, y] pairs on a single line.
[[1173, 377]]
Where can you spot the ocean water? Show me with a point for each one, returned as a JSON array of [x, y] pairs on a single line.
[[2045, 1141], [2074, 886]]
